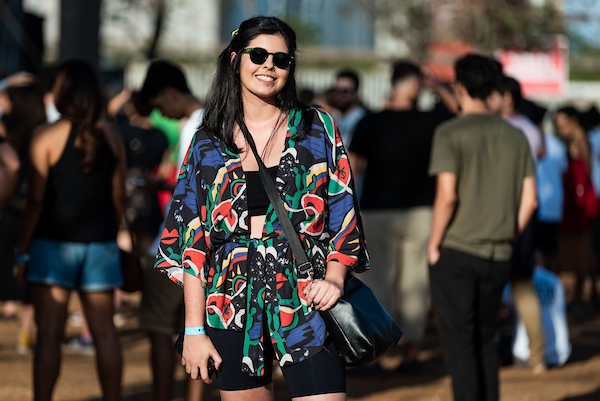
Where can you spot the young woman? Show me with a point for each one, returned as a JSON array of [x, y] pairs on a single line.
[[580, 202], [74, 206], [224, 243]]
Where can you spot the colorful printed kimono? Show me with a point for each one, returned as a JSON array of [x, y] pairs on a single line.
[[207, 235]]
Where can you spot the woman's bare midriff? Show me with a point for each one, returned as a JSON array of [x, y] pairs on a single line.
[[256, 226]]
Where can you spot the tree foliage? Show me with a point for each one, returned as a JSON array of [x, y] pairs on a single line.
[[127, 13], [409, 20], [484, 24]]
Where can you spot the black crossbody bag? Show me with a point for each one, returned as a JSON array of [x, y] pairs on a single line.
[[358, 324]]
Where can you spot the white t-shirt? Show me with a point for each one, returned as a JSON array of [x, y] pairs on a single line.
[[594, 138], [187, 133], [549, 174], [531, 131]]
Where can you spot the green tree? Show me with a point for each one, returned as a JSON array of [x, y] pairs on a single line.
[[485, 25]]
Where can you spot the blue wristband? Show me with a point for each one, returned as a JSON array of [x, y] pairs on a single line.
[[193, 331]]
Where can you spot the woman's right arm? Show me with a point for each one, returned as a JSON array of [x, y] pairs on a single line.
[[183, 254], [198, 348]]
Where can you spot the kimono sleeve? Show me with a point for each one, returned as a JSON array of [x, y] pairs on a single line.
[[183, 246], [347, 243]]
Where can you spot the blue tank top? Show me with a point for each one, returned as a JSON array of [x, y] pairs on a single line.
[[78, 207]]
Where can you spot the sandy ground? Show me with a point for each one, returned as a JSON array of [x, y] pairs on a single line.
[[578, 380]]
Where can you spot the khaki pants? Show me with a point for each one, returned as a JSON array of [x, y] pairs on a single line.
[[399, 277]]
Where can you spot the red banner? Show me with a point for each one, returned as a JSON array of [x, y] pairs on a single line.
[[541, 74]]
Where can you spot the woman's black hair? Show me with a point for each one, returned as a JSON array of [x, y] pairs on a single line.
[[224, 101], [78, 98], [572, 113]]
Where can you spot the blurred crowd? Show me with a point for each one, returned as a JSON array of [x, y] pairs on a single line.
[[132, 143]]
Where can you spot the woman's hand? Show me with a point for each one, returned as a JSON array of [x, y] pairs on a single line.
[[323, 294], [197, 349]]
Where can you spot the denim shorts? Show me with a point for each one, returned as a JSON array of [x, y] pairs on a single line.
[[85, 266]]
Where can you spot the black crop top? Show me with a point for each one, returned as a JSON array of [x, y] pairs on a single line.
[[258, 201]]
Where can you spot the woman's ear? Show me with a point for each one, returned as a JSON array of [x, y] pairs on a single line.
[[232, 56]]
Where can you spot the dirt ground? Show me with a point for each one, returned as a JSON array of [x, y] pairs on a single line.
[[578, 380]]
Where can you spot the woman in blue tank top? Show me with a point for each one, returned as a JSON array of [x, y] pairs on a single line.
[[73, 209]]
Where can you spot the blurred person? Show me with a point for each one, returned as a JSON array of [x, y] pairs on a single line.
[[169, 168], [347, 100], [397, 207], [447, 100], [551, 293], [485, 197], [505, 100], [580, 202], [550, 169], [23, 113], [161, 311], [592, 117], [74, 206], [9, 171], [9, 159], [238, 274], [165, 88], [20, 78], [146, 151], [306, 95], [325, 100]]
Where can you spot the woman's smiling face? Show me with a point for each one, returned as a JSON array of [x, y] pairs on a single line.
[[265, 80]]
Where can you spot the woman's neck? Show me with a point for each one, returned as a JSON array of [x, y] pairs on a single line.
[[259, 112]]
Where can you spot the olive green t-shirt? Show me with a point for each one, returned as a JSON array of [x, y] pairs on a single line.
[[490, 159]]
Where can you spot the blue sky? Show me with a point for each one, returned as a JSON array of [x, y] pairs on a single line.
[[584, 19]]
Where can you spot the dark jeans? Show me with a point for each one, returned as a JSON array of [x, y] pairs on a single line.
[[466, 294]]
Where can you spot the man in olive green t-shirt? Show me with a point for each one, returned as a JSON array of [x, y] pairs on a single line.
[[485, 197]]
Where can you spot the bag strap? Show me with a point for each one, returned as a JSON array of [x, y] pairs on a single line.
[[304, 265]]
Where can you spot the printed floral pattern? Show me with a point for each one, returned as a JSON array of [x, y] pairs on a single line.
[[252, 284]]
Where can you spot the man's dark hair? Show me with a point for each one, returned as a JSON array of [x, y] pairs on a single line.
[[161, 75], [511, 86], [478, 74], [402, 69], [592, 116], [352, 75]]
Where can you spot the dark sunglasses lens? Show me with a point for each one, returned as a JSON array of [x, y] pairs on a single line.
[[281, 60], [258, 55]]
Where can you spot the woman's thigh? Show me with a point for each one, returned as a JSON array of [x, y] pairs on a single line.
[[323, 373]]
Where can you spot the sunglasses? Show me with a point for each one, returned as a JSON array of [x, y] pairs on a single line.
[[258, 56]]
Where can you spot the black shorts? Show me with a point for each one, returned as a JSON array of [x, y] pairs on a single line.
[[323, 373]]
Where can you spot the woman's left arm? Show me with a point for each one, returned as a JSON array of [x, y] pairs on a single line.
[[346, 248]]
